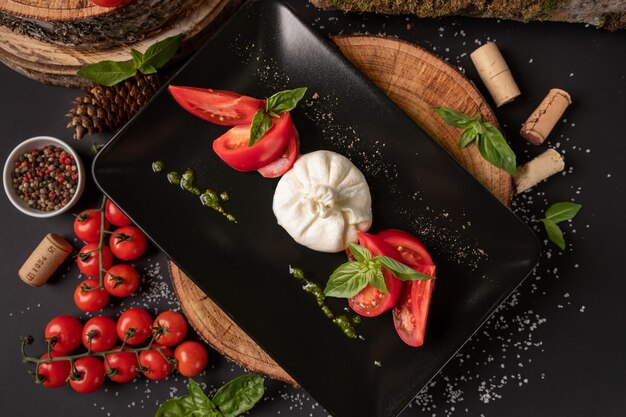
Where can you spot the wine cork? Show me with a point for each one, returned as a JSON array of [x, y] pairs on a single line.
[[495, 73], [541, 122], [45, 260], [538, 169]]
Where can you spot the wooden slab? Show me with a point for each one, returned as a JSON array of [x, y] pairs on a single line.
[[416, 81]]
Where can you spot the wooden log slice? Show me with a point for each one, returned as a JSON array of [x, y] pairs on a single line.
[[416, 80]]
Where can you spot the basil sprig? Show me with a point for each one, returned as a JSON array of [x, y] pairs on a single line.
[[556, 213], [491, 144], [109, 73], [232, 399], [281, 102], [351, 277]]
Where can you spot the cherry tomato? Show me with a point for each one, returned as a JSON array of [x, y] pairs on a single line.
[[107, 3], [224, 108], [128, 243], [114, 215], [156, 366], [232, 147], [65, 333], [121, 280], [174, 327], [411, 311], [286, 160], [99, 333], [54, 374], [371, 301], [87, 225], [88, 299], [89, 375], [191, 358], [136, 321], [88, 259], [121, 366]]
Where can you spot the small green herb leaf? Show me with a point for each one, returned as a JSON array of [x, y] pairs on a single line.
[[147, 69], [239, 395], [377, 280], [454, 118], [261, 123], [494, 149], [137, 58], [284, 101], [200, 400], [160, 53], [359, 252], [177, 407], [400, 270], [562, 211], [468, 135], [108, 73], [554, 233], [347, 280]]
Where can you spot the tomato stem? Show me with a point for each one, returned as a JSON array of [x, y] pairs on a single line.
[[101, 242]]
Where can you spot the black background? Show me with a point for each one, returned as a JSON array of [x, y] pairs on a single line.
[[556, 345]]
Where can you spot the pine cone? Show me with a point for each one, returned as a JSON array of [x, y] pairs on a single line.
[[107, 108]]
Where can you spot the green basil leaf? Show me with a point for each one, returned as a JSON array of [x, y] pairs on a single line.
[[377, 280], [359, 252], [284, 101], [346, 281], [400, 270], [239, 395], [554, 233], [494, 149], [137, 58], [468, 135], [108, 73], [261, 123], [562, 211], [455, 118], [177, 407], [201, 401], [147, 69], [160, 53]]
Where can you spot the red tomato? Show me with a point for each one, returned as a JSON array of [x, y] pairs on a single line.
[[174, 328], [64, 333], [286, 160], [121, 280], [191, 358], [155, 364], [88, 259], [90, 300], [99, 333], [371, 301], [121, 366], [89, 375], [128, 243], [87, 225], [54, 374], [232, 147], [224, 108], [136, 322], [411, 311], [107, 3], [114, 215]]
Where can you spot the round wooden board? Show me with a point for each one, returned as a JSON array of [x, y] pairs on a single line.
[[416, 81]]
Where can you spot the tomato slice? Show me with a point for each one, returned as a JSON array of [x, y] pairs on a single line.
[[411, 311], [285, 161], [221, 107], [371, 301], [232, 147]]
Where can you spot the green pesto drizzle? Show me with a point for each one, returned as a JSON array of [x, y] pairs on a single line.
[[188, 181], [343, 321]]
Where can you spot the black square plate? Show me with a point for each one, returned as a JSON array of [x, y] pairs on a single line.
[[481, 249]]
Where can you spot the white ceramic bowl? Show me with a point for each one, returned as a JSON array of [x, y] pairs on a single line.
[[36, 143]]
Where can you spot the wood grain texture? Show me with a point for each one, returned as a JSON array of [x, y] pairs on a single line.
[[57, 64], [416, 80]]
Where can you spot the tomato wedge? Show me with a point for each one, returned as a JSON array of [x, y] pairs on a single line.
[[224, 108], [371, 301], [284, 162], [411, 310], [232, 147]]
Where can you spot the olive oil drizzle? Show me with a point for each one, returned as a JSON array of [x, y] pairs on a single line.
[[346, 323], [188, 182]]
